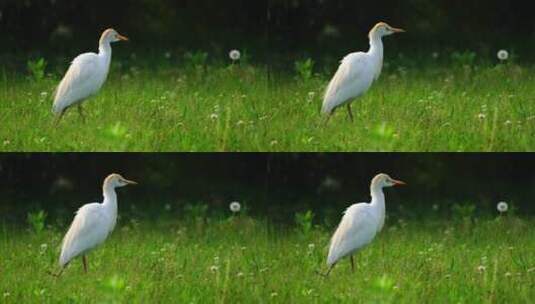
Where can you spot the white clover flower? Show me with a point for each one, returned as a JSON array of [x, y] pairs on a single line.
[[6, 294], [311, 246], [240, 274], [508, 274], [235, 207], [508, 122], [213, 116], [44, 94], [214, 268], [503, 55], [481, 268], [44, 246], [274, 294], [502, 207], [273, 143], [234, 55], [481, 116]]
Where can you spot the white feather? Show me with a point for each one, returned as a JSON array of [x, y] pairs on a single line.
[[353, 78], [90, 227], [85, 76], [356, 230]]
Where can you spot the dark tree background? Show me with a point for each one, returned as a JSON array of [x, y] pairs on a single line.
[[276, 185], [269, 26]]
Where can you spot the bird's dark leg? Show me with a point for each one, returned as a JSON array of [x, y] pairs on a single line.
[[327, 119], [57, 275], [350, 112], [329, 271], [84, 260], [81, 112], [58, 118], [352, 263]]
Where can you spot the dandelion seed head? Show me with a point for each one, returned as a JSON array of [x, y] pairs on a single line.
[[235, 207], [234, 55], [502, 207], [503, 55]]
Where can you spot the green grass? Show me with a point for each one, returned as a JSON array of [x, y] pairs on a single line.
[[239, 108], [243, 260]]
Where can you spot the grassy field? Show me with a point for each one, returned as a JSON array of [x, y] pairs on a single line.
[[243, 260], [163, 107]]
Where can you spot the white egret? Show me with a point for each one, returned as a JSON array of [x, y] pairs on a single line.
[[85, 76], [92, 223], [357, 72], [360, 223]]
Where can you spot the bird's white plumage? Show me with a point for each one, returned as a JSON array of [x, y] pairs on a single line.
[[90, 227], [85, 76], [354, 76], [357, 71], [93, 222], [356, 230], [361, 222]]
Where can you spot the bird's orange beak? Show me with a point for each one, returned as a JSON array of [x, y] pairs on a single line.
[[397, 30], [399, 183], [130, 182], [121, 37]]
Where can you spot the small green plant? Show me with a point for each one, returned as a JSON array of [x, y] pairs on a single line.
[[461, 59], [304, 69], [304, 221], [464, 214], [465, 211], [36, 220], [196, 211], [37, 68], [195, 59], [114, 288]]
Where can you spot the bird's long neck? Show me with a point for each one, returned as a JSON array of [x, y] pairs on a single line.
[[104, 51], [378, 204], [110, 199], [376, 52], [376, 45]]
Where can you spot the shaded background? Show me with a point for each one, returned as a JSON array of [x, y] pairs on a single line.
[[271, 30], [270, 185]]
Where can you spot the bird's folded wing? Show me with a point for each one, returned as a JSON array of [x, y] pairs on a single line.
[[355, 231], [85, 232], [76, 84], [349, 71]]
